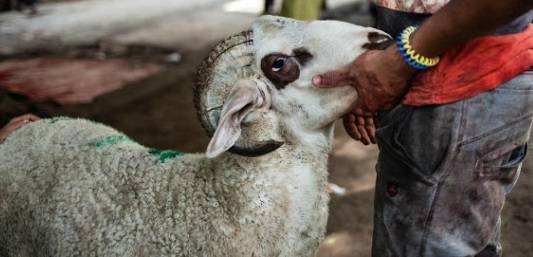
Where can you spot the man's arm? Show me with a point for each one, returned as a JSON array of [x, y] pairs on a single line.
[[380, 77], [462, 20]]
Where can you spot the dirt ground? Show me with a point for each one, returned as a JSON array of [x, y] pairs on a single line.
[[162, 116]]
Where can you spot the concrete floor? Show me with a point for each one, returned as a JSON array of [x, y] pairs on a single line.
[[175, 24]]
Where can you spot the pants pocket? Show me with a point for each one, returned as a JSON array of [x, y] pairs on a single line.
[[501, 159], [504, 165]]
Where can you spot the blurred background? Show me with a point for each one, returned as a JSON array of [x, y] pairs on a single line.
[[131, 64]]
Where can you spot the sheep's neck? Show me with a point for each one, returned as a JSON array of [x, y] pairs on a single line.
[[281, 194], [288, 188]]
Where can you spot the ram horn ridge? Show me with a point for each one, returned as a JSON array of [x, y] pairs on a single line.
[[229, 61]]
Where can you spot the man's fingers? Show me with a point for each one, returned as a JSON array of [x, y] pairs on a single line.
[[361, 127], [12, 126], [370, 129], [336, 78], [9, 128], [15, 124], [33, 117], [366, 120], [365, 139], [350, 126], [26, 117], [18, 118]]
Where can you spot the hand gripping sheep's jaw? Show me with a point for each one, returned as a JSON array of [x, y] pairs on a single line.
[[276, 61]]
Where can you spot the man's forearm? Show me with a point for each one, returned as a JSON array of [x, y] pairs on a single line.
[[462, 20]]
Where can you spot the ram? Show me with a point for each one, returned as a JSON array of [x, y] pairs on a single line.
[[72, 187]]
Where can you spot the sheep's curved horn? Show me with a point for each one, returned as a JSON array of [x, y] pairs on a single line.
[[231, 60], [228, 62]]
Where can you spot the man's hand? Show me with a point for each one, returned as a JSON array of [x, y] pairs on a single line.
[[15, 124], [361, 125], [380, 78]]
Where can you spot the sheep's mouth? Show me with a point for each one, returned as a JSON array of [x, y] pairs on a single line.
[[257, 149]]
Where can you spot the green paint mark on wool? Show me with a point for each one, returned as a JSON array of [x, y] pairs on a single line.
[[110, 140], [164, 155]]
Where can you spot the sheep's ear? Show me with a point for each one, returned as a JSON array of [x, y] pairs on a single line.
[[242, 101]]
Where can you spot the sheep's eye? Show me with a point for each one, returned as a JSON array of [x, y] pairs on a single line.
[[280, 69], [278, 63]]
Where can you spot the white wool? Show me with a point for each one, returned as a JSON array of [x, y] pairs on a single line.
[[72, 187]]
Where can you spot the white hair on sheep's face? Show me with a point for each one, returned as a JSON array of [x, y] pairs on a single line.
[[255, 88]]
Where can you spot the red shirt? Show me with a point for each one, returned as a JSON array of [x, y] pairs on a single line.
[[479, 66]]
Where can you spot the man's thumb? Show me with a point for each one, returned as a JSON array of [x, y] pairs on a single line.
[[337, 78]]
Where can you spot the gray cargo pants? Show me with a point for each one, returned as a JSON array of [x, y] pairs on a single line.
[[444, 172]]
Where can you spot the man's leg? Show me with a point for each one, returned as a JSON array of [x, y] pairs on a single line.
[[444, 171], [268, 6]]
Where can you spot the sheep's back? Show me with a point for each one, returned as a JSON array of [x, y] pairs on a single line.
[[78, 187]]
